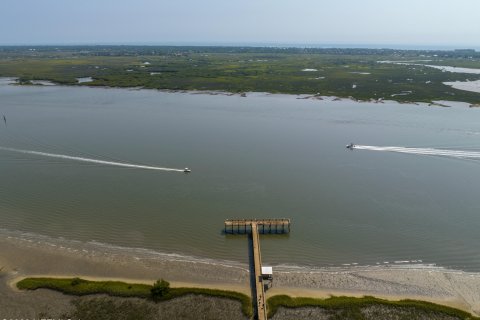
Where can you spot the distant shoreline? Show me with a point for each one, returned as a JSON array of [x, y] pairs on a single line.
[[360, 73], [303, 96]]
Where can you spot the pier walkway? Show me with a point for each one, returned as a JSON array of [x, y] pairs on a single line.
[[254, 227]]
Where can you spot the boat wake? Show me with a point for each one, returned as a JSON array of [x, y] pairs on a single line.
[[90, 160], [459, 154]]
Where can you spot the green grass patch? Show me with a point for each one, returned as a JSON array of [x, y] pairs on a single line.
[[353, 305], [81, 287]]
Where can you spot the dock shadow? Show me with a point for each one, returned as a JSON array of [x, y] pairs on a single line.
[[251, 264]]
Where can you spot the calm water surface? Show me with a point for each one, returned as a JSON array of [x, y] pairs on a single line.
[[260, 156]]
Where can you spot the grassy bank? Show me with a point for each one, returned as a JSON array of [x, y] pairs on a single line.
[[81, 287], [352, 307]]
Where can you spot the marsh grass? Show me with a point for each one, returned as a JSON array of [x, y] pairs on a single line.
[[337, 307], [352, 308], [81, 287], [247, 70]]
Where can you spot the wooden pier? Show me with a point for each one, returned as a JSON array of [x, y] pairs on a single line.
[[265, 226], [254, 227]]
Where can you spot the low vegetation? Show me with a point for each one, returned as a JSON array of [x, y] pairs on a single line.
[[104, 308], [361, 308], [160, 291], [190, 307], [332, 308], [80, 287], [356, 73]]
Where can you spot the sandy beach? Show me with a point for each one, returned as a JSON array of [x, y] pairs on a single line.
[[23, 257]]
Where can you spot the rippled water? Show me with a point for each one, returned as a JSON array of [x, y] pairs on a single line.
[[260, 156]]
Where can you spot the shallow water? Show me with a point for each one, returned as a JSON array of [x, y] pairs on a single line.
[[84, 79], [442, 68], [472, 86], [260, 156]]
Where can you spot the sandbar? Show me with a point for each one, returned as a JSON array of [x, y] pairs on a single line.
[[472, 86]]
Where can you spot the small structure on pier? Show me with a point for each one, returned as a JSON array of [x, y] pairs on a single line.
[[255, 227], [267, 273]]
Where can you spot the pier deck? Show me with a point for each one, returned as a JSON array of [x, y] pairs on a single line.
[[257, 261], [272, 226], [254, 227]]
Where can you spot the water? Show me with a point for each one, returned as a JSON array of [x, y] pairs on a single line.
[[458, 154], [89, 160], [84, 79], [260, 156], [442, 68]]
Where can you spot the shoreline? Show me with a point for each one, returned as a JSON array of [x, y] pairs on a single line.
[[94, 250], [301, 96], [453, 288]]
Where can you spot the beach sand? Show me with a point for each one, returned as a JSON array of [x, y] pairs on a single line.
[[23, 258]]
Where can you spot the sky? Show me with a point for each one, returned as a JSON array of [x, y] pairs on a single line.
[[441, 23]]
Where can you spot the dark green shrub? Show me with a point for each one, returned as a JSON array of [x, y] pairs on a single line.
[[160, 289], [76, 281]]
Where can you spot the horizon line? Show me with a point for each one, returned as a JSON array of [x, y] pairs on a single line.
[[441, 47]]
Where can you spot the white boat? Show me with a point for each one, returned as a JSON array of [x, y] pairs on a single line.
[[186, 170]]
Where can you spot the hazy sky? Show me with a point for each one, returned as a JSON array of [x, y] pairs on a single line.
[[384, 22]]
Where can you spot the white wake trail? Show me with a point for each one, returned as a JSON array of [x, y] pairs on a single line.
[[97, 161], [424, 151]]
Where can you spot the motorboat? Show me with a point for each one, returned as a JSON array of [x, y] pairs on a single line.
[[350, 146], [186, 170]]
